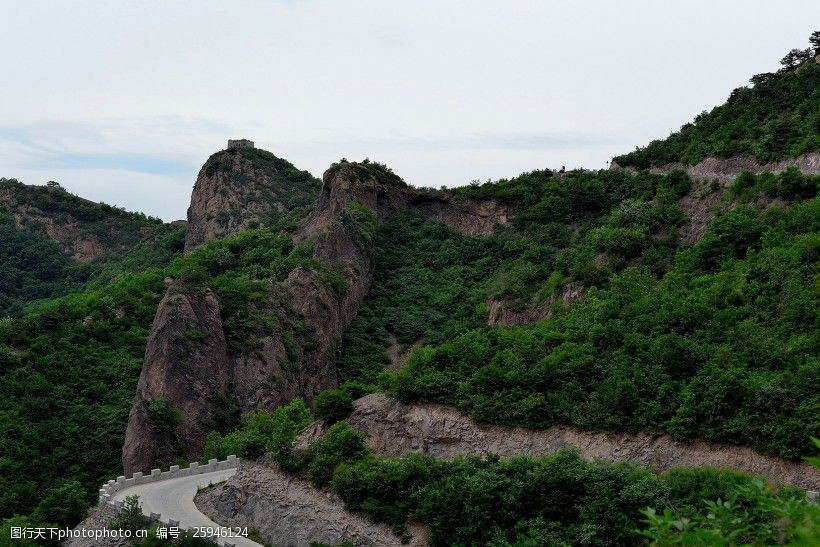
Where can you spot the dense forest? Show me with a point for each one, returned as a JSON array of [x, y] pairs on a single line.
[[431, 284], [777, 117], [674, 323], [714, 340], [68, 369]]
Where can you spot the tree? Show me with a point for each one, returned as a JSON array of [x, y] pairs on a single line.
[[795, 58], [130, 516], [814, 40], [761, 78]]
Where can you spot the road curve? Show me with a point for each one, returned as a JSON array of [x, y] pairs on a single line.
[[174, 499]]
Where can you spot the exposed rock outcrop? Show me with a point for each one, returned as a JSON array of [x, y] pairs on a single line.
[[388, 196], [186, 366], [288, 511], [96, 519], [261, 375], [462, 215], [237, 187], [83, 229], [501, 313], [727, 169], [705, 200], [198, 384], [396, 429]]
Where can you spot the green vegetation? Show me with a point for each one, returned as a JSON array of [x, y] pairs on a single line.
[[722, 348], [34, 267], [68, 369], [294, 189], [130, 516], [789, 184], [750, 515], [333, 405], [164, 417], [715, 341], [778, 117], [262, 432], [365, 169], [559, 499], [432, 284]]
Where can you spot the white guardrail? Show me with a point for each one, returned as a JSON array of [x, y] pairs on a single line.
[[112, 487]]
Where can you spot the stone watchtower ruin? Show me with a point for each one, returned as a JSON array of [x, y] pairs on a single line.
[[239, 143]]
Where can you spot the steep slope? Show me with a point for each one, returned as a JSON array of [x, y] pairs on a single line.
[[312, 304], [405, 465], [777, 119], [285, 510], [54, 242], [241, 187], [83, 229], [565, 233], [396, 429]]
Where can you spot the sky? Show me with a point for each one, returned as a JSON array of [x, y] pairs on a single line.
[[123, 101]]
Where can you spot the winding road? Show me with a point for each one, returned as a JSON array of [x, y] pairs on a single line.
[[174, 499]]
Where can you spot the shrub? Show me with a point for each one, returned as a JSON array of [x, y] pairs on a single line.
[[333, 405], [130, 516], [64, 505], [342, 443], [164, 417]]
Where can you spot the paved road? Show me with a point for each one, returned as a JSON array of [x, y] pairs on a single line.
[[174, 499]]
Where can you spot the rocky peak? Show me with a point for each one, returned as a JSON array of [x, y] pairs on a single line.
[[385, 194], [243, 186], [196, 384]]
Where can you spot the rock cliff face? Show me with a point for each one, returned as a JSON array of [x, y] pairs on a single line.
[[397, 429], [386, 196], [238, 187], [177, 377], [193, 385]]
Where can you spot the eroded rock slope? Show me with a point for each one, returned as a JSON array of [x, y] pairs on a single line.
[[396, 429], [192, 387], [727, 169], [286, 510]]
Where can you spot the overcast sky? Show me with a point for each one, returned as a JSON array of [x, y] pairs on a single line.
[[123, 101]]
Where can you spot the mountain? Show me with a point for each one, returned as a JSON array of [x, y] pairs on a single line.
[[280, 344], [240, 187], [55, 242], [776, 118], [668, 305]]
